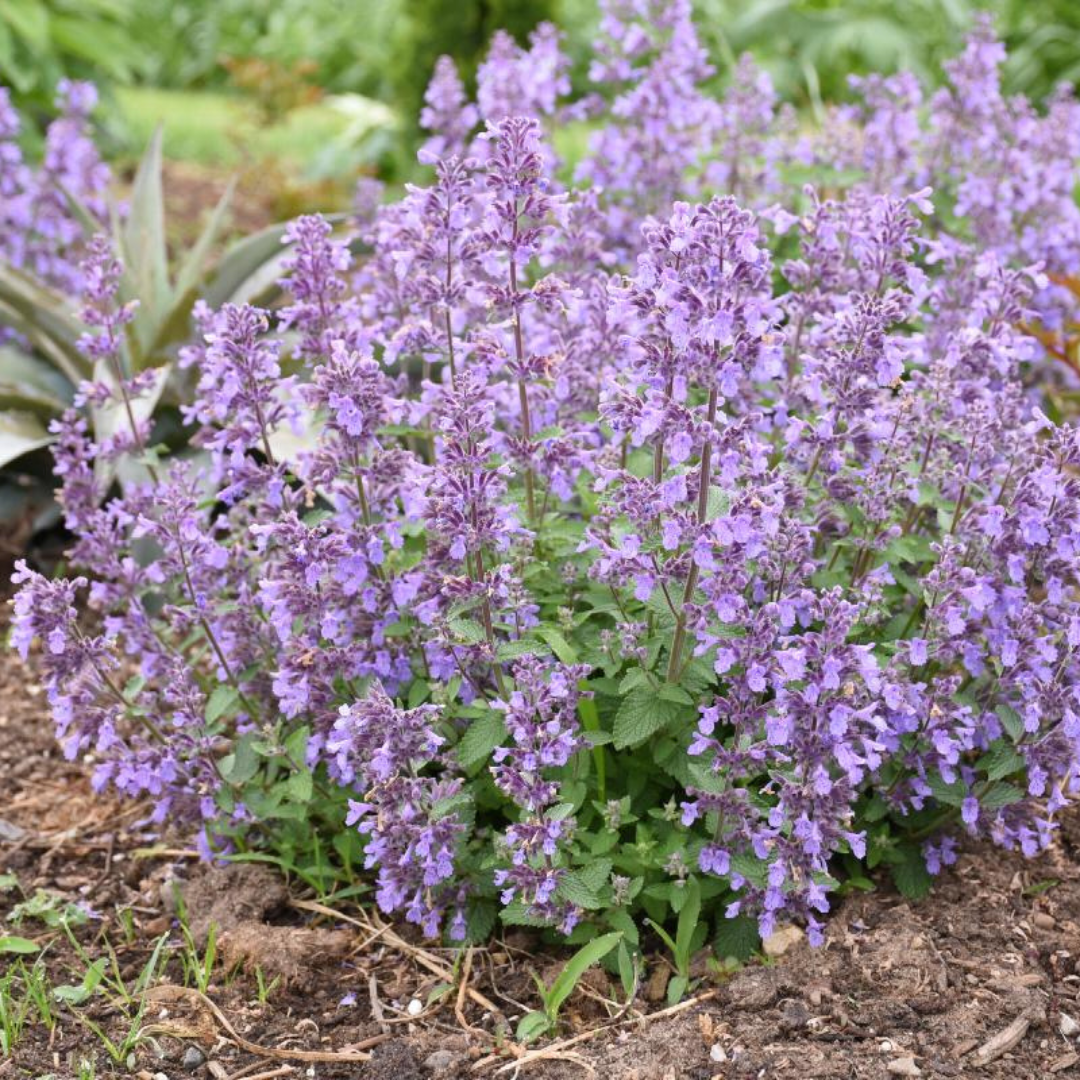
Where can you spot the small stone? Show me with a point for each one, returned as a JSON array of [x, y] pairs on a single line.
[[886, 1046], [717, 1053], [193, 1058], [904, 1066], [440, 1060], [11, 833], [1044, 921], [1067, 1025], [415, 1007], [782, 939]]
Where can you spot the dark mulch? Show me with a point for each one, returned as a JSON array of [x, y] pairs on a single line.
[[899, 987]]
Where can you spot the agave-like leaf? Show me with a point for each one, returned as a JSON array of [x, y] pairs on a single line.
[[43, 316], [192, 266], [243, 260], [141, 241], [20, 433], [173, 323], [30, 384]]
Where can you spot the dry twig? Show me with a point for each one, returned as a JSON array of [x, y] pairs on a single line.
[[1002, 1042], [180, 993]]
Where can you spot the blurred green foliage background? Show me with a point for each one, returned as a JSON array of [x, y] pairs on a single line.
[[324, 87]]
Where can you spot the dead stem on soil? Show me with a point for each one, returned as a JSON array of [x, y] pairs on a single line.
[[426, 959], [558, 1050], [182, 993]]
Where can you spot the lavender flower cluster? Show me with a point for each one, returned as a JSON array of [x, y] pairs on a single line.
[[682, 520], [40, 232]]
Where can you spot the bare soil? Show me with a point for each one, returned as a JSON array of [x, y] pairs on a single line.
[[979, 980]]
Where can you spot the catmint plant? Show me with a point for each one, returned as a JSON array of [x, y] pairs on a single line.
[[686, 531]]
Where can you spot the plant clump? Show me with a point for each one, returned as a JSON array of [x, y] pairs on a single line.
[[694, 528]]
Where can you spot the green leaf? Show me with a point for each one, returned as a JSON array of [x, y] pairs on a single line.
[[947, 794], [910, 875], [480, 921], [591, 953], [45, 317], [192, 266], [1011, 721], [670, 692], [223, 698], [300, 786], [677, 988], [717, 504], [737, 938], [30, 384], [516, 914], [531, 1026], [576, 890], [559, 645], [468, 630], [483, 735], [512, 650], [243, 763], [80, 992], [688, 920], [999, 761], [20, 433], [142, 236], [1000, 795], [10, 943], [642, 714]]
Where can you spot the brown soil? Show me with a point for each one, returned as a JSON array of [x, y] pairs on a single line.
[[899, 987]]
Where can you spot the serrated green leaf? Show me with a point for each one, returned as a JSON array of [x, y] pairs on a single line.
[[718, 503], [516, 914], [243, 763], [641, 715], [300, 785], [910, 875], [999, 761], [1011, 721], [480, 920], [947, 794], [752, 868], [468, 630], [482, 736], [223, 698], [575, 890], [737, 938], [512, 650], [1000, 795]]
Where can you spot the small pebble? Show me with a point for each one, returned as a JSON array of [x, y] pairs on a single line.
[[415, 1008], [1067, 1025], [440, 1060], [1044, 921], [717, 1053], [904, 1066], [193, 1058]]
